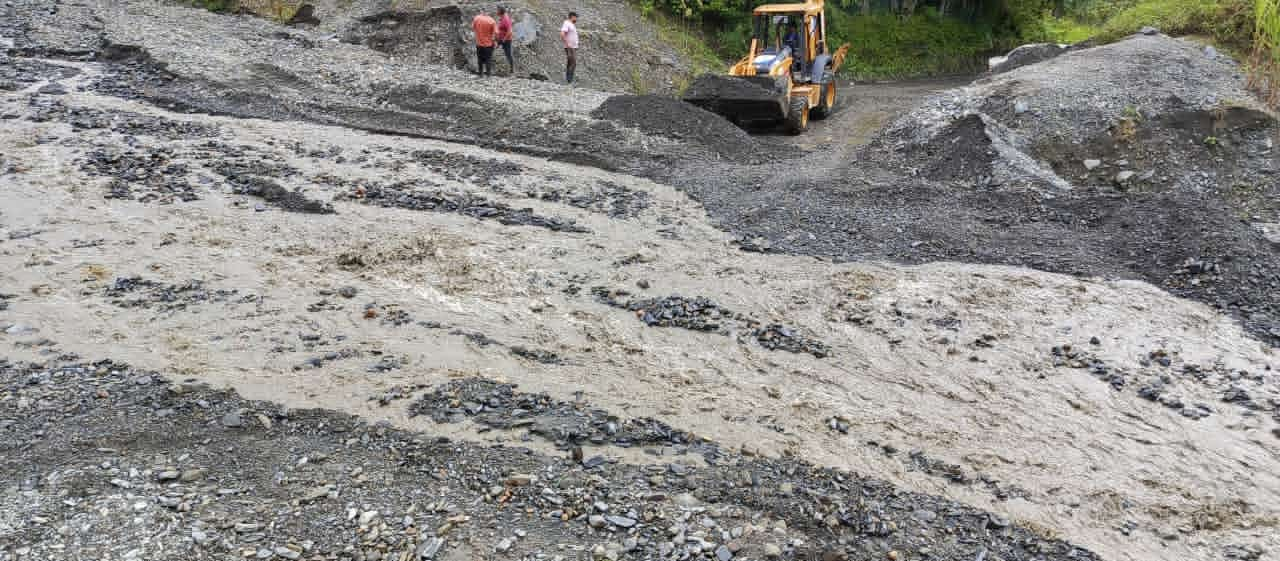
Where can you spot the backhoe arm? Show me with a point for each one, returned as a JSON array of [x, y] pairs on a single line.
[[837, 58]]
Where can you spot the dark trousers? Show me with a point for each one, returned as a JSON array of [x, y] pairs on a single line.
[[570, 63], [506, 50], [484, 60]]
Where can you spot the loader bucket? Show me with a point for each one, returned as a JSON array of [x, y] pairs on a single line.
[[741, 98]]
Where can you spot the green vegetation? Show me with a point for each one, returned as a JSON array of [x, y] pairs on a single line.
[[1264, 76], [924, 43], [279, 10], [901, 38], [686, 37]]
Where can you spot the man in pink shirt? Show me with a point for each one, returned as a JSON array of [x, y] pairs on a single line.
[[505, 35], [486, 36], [569, 35]]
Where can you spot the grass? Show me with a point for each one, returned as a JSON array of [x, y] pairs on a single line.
[[1264, 63], [1228, 23], [685, 37], [1069, 31]]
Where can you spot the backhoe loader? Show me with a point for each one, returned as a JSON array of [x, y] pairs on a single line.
[[788, 76]]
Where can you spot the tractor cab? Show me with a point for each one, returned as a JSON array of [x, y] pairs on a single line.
[[787, 38]]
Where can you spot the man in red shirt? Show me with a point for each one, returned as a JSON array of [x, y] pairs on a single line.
[[505, 35], [486, 36]]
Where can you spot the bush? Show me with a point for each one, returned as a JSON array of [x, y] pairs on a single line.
[[884, 46]]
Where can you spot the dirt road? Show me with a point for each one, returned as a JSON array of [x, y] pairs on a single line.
[[864, 109]]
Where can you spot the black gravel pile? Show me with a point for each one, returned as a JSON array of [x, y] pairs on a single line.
[[672, 118], [120, 122], [702, 314], [252, 176], [228, 476], [407, 197], [143, 176], [607, 198], [1162, 374], [500, 406], [698, 313], [460, 167], [137, 292], [19, 73], [327, 358], [777, 337], [276, 194]]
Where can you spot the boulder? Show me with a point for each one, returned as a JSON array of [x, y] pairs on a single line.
[[1024, 55]]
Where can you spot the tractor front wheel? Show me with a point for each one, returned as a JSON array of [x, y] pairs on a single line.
[[798, 116]]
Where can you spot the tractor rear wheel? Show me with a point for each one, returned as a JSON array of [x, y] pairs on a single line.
[[826, 101], [798, 116]]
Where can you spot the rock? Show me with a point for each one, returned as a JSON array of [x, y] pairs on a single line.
[[306, 15], [168, 475], [1092, 164], [1095, 340], [723, 553], [429, 548], [772, 551], [1024, 55], [19, 329], [596, 521], [1124, 177], [685, 500], [1020, 107], [996, 521], [233, 419], [347, 292], [288, 553], [504, 545], [521, 480], [1148, 30], [925, 515], [621, 521], [198, 536]]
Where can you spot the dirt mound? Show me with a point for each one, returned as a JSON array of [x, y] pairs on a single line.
[[1150, 113], [430, 37], [676, 119]]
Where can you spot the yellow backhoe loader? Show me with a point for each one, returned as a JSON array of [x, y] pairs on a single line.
[[787, 77]]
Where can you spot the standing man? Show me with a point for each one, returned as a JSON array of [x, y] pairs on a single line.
[[569, 35], [505, 35], [486, 35]]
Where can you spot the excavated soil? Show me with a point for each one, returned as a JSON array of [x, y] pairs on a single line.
[[523, 331]]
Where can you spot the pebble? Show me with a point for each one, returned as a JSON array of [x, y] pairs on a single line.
[[723, 553], [429, 548], [233, 420], [621, 521]]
